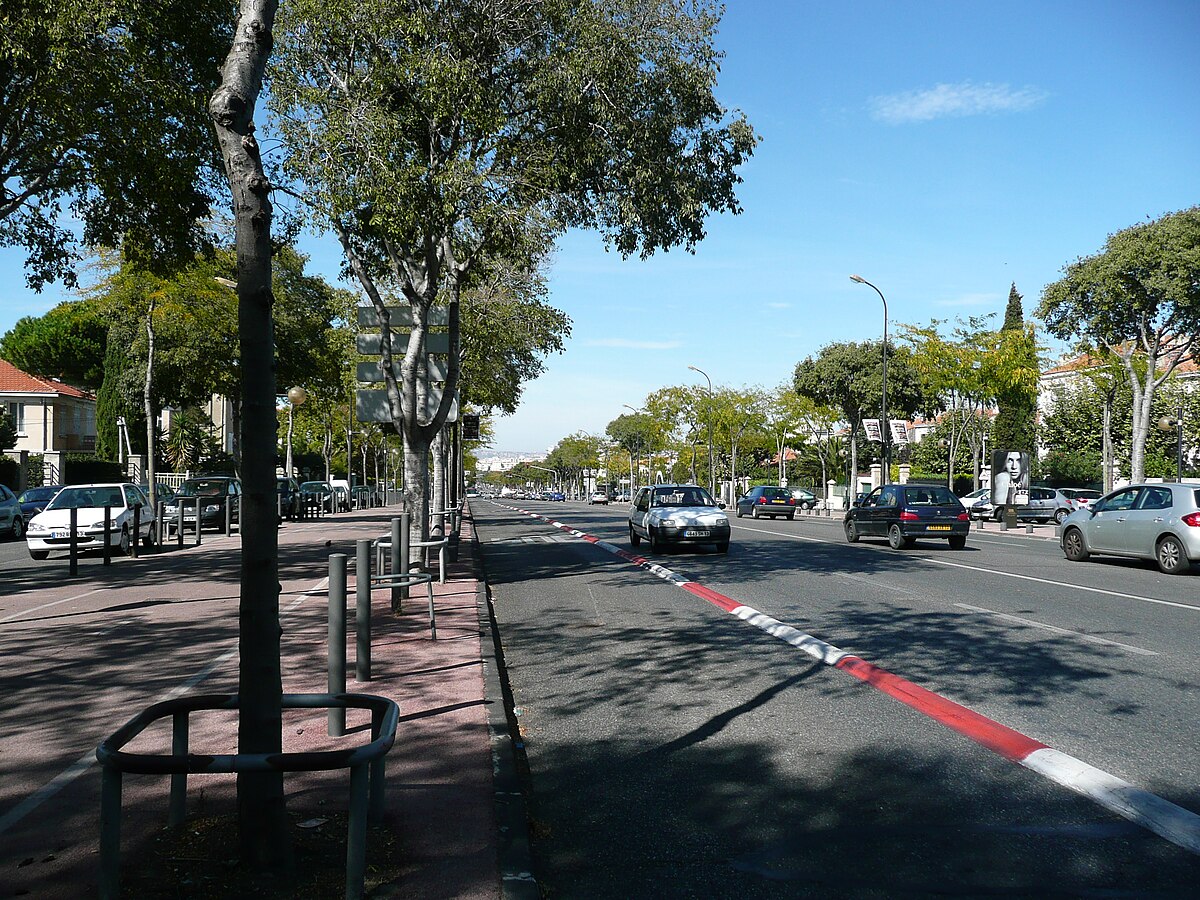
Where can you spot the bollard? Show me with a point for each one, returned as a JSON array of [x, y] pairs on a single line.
[[179, 521], [399, 540], [74, 568], [362, 612], [107, 531], [160, 515], [228, 516], [136, 537], [337, 641], [1029, 528], [199, 525]]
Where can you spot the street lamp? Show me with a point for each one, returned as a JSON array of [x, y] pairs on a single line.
[[544, 469], [885, 430], [296, 396], [712, 466], [1166, 423]]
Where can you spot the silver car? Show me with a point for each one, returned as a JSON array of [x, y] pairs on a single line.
[[1160, 522]]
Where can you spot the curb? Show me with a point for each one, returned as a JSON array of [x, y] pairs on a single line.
[[515, 860]]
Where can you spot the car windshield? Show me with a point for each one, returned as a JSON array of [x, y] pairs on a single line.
[[202, 488], [88, 498], [680, 496], [34, 495], [929, 495], [314, 486]]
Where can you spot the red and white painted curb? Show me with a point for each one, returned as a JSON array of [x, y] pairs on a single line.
[[1168, 820]]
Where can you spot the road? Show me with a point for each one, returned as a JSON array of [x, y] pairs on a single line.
[[677, 750]]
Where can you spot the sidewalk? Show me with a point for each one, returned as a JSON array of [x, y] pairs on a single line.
[[453, 800]]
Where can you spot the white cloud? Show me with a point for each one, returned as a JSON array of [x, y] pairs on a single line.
[[625, 344], [779, 306], [945, 100]]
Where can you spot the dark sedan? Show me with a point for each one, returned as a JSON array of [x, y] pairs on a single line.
[[214, 492], [905, 512], [33, 500], [767, 501]]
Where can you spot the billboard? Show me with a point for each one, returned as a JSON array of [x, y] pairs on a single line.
[[1010, 478]]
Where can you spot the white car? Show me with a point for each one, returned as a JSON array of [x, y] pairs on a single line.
[[666, 514], [50, 529], [983, 495], [599, 497]]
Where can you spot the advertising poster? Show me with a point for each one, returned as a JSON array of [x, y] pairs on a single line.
[[1010, 478]]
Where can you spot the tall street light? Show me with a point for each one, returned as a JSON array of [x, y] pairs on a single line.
[[1166, 423], [296, 396], [712, 466], [883, 422]]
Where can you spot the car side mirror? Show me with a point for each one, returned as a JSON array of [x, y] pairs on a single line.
[[721, 503]]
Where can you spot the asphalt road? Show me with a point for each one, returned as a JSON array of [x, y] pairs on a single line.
[[678, 751]]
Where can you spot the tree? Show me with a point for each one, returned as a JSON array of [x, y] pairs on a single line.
[[432, 137], [136, 165], [262, 819], [1015, 425], [1140, 299], [68, 342], [8, 431]]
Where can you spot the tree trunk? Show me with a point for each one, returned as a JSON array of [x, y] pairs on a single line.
[[262, 822], [148, 400]]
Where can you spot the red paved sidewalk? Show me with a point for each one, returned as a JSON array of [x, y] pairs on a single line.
[[453, 797]]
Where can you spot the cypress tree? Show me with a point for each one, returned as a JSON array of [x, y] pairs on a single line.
[[1015, 426]]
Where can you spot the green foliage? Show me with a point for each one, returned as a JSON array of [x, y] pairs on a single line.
[[83, 468], [66, 343], [849, 377], [1073, 467], [10, 473], [1015, 425], [108, 124], [112, 400], [8, 431]]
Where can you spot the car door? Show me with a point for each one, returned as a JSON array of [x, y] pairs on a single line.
[[1145, 522], [641, 513], [869, 514], [1105, 530]]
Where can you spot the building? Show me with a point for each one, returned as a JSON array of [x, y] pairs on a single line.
[[50, 416]]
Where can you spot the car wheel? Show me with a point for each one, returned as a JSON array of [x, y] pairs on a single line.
[[739, 512], [634, 539], [852, 534], [754, 512], [1171, 556], [723, 547], [151, 537], [652, 540], [124, 540], [18, 528], [958, 541], [1060, 515], [1073, 545], [39, 554], [998, 514], [896, 538], [791, 517]]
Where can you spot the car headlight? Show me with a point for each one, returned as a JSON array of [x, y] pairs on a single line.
[[722, 522], [212, 507], [35, 528], [667, 523]]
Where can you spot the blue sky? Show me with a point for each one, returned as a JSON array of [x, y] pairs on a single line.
[[942, 150]]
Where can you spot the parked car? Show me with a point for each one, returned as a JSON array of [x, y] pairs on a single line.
[[1045, 505], [805, 499], [556, 496], [623, 497], [905, 512], [50, 529], [677, 514], [598, 497], [12, 519], [214, 492], [289, 497], [1083, 498], [766, 501], [33, 500], [1159, 522], [342, 493], [322, 491], [974, 498], [163, 493]]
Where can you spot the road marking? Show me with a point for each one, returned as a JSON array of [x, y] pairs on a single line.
[[875, 584], [1174, 823], [1091, 639], [26, 612], [85, 762]]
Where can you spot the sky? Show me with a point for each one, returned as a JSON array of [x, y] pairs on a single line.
[[941, 150]]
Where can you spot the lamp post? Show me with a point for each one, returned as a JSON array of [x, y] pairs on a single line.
[[712, 466], [884, 429], [1166, 423], [544, 469], [296, 396]]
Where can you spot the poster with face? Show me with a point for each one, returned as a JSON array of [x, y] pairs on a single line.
[[1010, 478]]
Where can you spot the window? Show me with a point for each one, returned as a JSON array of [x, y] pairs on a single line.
[[1120, 500], [1155, 498], [16, 412]]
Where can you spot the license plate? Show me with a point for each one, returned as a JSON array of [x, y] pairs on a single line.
[[779, 502], [59, 534], [938, 528], [696, 532]]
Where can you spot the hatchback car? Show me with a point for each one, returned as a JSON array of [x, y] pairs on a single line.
[[677, 514], [33, 500], [804, 499], [1081, 497], [12, 520], [1159, 522], [320, 492], [905, 512], [214, 492], [1045, 505], [761, 501], [51, 528], [598, 497]]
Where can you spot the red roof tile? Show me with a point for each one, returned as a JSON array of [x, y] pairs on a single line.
[[14, 381]]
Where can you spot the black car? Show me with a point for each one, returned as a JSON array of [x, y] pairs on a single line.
[[33, 500], [289, 497], [905, 512], [767, 501], [214, 492]]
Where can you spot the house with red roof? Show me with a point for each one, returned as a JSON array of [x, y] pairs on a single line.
[[50, 415]]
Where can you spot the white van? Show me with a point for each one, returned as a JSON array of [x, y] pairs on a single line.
[[341, 494]]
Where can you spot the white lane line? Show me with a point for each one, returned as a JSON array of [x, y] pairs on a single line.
[[1091, 639], [874, 583], [953, 565], [85, 762], [26, 612]]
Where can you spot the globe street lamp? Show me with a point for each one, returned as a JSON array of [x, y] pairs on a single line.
[[884, 428], [296, 396], [1166, 423], [712, 466]]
